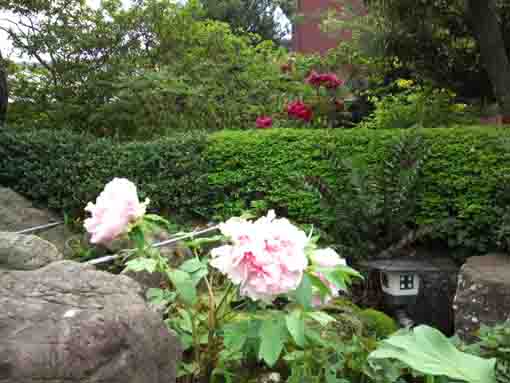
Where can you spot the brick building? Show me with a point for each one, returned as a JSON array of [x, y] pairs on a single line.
[[307, 36]]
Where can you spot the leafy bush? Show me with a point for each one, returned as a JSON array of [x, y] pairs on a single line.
[[230, 171], [378, 323], [495, 343], [65, 171], [408, 105]]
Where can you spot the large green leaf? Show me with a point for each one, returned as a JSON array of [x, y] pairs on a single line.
[[184, 285], [296, 326], [303, 294], [272, 334], [429, 352]]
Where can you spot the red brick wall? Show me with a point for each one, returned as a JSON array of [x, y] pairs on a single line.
[[307, 36]]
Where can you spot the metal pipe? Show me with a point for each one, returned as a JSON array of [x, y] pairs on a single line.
[[39, 228], [156, 245]]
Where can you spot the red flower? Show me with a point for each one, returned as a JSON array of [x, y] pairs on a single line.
[[299, 110], [328, 80], [264, 122], [331, 81]]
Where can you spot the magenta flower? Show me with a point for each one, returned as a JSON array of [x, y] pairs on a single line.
[[299, 110], [264, 122], [328, 80], [266, 258], [116, 207]]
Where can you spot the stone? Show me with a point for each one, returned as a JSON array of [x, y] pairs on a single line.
[[18, 213], [26, 252], [68, 322], [483, 294]]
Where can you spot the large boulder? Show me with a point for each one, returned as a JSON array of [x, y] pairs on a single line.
[[26, 252], [483, 294], [17, 213], [69, 322]]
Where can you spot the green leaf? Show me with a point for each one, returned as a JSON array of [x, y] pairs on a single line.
[[157, 296], [294, 355], [184, 285], [235, 335], [339, 276], [429, 352], [321, 317], [157, 220], [196, 269], [319, 285], [137, 236], [296, 326], [303, 294], [142, 264], [272, 334], [185, 323]]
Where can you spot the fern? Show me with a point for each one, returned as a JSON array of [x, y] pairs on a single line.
[[377, 214]]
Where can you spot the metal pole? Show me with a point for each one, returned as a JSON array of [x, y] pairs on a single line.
[[157, 245], [39, 228]]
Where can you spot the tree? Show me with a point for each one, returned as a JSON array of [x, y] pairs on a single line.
[[248, 16], [461, 44], [487, 29], [4, 91]]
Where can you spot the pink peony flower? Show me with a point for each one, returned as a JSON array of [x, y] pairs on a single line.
[[116, 207], [327, 258], [264, 122], [266, 258], [299, 110]]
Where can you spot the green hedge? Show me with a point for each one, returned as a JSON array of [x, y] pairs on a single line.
[[64, 171], [222, 174]]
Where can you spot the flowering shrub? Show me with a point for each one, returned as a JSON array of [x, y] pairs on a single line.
[[315, 97], [262, 260]]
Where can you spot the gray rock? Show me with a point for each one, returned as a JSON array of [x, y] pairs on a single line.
[[26, 252], [68, 322], [18, 213], [483, 294]]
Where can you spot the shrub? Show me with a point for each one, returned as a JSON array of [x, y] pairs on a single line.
[[377, 323], [64, 171], [230, 171], [407, 104]]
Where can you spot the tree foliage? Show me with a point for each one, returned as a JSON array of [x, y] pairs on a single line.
[[434, 39], [156, 66]]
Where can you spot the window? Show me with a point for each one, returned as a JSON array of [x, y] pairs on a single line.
[[406, 282]]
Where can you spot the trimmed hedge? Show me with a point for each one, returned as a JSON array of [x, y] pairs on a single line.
[[64, 171], [220, 175]]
